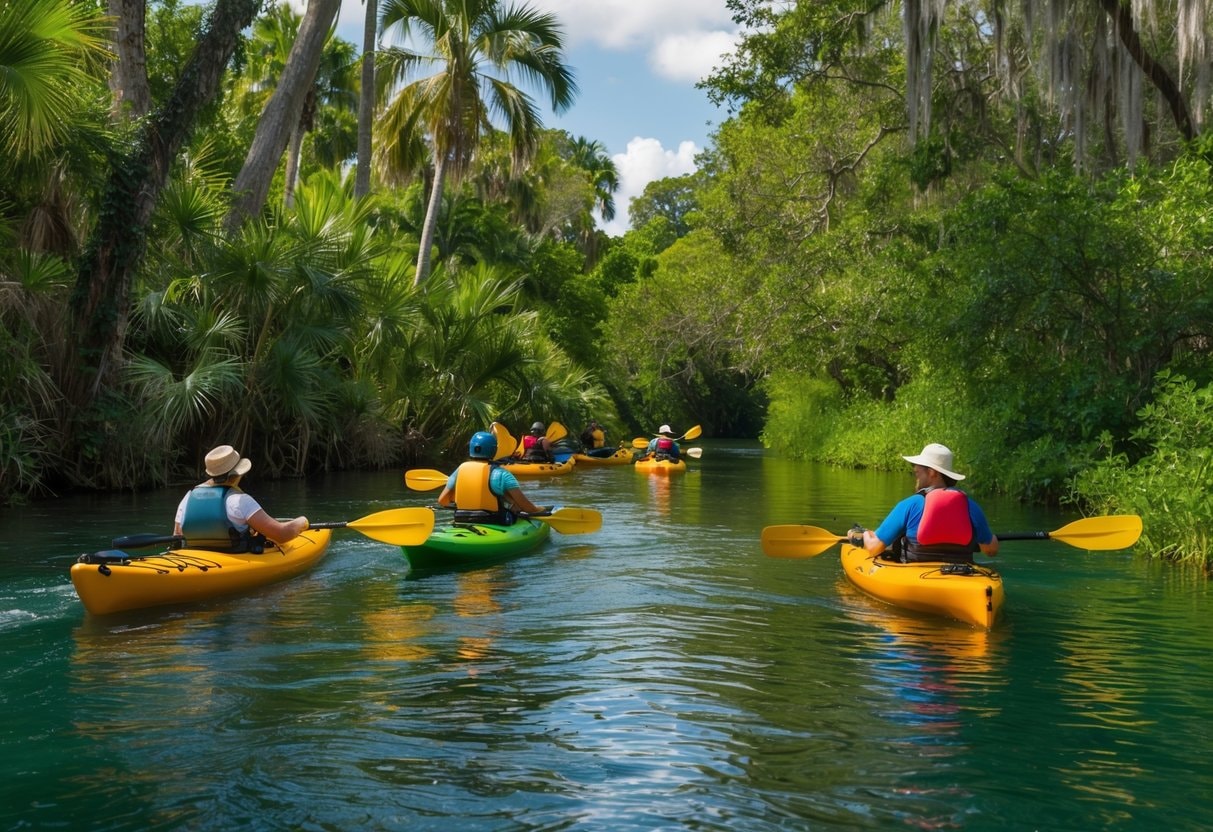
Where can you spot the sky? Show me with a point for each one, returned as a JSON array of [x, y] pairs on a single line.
[[636, 63]]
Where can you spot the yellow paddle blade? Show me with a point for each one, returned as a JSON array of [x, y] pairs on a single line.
[[425, 479], [1117, 531], [693, 433], [572, 520], [397, 526], [505, 442], [556, 432], [640, 443], [797, 541]]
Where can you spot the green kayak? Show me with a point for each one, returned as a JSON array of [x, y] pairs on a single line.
[[470, 544]]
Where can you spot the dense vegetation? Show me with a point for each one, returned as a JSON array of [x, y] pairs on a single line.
[[982, 225]]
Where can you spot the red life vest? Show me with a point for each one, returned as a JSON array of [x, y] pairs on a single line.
[[664, 444], [945, 518], [945, 532]]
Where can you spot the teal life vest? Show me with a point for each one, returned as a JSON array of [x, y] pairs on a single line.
[[206, 524]]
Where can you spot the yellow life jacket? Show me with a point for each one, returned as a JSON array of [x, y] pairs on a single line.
[[472, 491]]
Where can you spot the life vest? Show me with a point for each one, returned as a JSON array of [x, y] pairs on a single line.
[[665, 445], [472, 492], [205, 524], [475, 501], [597, 438], [945, 532], [533, 449]]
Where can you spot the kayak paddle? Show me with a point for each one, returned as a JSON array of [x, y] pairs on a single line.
[[425, 479], [505, 442], [1118, 531], [570, 520], [397, 526]]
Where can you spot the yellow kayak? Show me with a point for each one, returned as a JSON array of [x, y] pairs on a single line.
[[661, 467], [540, 469], [621, 456], [116, 581], [967, 592]]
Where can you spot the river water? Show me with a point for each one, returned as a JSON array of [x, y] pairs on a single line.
[[659, 674]]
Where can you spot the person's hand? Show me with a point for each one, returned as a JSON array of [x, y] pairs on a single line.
[[855, 536]]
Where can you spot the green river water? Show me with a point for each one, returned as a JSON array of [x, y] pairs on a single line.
[[661, 674]]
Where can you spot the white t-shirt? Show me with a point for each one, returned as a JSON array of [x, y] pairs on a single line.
[[240, 507]]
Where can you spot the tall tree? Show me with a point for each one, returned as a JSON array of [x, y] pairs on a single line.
[[282, 114], [118, 243], [475, 46], [367, 98], [132, 95]]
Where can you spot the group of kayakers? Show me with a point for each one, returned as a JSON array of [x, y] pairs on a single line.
[[938, 522]]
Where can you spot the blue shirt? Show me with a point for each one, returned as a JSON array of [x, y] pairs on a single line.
[[903, 520]]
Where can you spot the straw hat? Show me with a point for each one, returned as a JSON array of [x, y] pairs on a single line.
[[938, 457], [225, 462]]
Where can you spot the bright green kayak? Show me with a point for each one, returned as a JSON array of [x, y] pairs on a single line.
[[470, 544]]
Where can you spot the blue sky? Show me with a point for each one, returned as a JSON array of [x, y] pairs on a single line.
[[636, 63]]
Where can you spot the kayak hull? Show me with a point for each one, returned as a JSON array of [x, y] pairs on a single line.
[[185, 576], [973, 595], [540, 469], [621, 456], [473, 544], [660, 467]]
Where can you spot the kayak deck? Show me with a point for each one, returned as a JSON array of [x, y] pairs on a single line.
[[183, 576], [620, 456], [470, 544], [540, 469], [967, 592], [649, 465]]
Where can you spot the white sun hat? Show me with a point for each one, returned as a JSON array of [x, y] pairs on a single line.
[[938, 457]]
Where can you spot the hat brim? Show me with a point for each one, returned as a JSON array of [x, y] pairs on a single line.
[[928, 463], [242, 468]]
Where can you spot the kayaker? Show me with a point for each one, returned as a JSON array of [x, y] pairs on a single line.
[[938, 522], [593, 436], [484, 492], [663, 445], [535, 445], [216, 514]]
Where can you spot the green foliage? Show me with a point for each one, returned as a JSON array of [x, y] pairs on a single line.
[[1165, 473]]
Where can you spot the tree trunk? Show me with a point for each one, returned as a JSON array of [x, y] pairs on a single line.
[[431, 221], [281, 115], [366, 101], [117, 245], [1122, 17], [132, 97], [294, 148]]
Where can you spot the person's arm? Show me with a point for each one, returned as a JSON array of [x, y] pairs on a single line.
[[520, 502], [981, 530], [276, 530], [447, 497]]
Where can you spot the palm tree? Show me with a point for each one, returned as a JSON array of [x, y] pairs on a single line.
[[366, 102], [476, 47]]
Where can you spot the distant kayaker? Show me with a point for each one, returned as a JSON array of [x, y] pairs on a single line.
[[217, 515], [535, 445], [593, 436], [663, 445], [481, 491], [938, 522]]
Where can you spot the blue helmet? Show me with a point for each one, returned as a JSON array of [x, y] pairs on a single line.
[[483, 445]]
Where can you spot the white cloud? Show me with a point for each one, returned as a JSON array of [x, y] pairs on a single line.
[[630, 24], [644, 161], [690, 56]]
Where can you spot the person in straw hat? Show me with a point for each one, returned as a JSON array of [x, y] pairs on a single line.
[[216, 514], [938, 522], [663, 445]]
